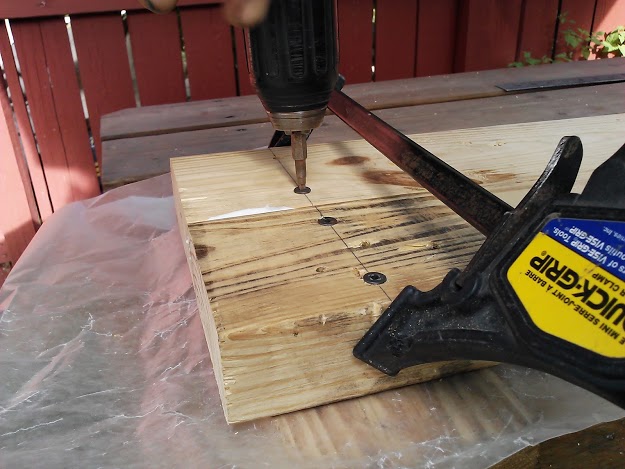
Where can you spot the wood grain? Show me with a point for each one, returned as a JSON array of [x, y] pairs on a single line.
[[157, 57], [227, 112], [27, 137], [355, 29], [104, 68], [396, 30], [436, 20], [601, 445], [50, 81], [208, 45], [17, 225], [487, 25], [538, 26], [281, 297]]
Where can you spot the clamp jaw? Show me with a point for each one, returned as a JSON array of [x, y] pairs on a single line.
[[546, 289]]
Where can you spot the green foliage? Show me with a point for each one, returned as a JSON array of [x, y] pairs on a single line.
[[582, 42]]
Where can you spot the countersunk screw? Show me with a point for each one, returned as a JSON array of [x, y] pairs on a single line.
[[327, 221], [374, 278]]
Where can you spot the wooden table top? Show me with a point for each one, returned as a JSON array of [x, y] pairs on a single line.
[[138, 143]]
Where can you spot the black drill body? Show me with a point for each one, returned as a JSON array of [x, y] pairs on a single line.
[[293, 63]]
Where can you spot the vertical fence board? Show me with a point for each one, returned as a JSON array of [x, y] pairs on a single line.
[[104, 68], [436, 37], [538, 26], [68, 109], [609, 14], [52, 91], [579, 11], [208, 45], [158, 61], [245, 86], [39, 184], [491, 31], [355, 39], [16, 223], [395, 39]]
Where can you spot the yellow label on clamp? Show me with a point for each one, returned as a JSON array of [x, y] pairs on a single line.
[[570, 297]]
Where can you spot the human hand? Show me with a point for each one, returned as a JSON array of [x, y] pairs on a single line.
[[238, 12]]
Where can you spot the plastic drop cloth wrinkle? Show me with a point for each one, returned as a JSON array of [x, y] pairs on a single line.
[[103, 363]]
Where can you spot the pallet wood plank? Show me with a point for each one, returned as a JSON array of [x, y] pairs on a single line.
[[608, 15], [395, 39], [157, 57], [487, 25], [208, 45], [141, 157], [17, 226], [68, 109], [581, 12], [271, 285], [47, 69], [436, 37], [31, 154], [538, 26], [180, 117], [104, 68], [355, 30]]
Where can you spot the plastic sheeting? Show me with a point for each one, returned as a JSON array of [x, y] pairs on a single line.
[[103, 363]]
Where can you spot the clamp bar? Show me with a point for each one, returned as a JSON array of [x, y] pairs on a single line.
[[473, 203]]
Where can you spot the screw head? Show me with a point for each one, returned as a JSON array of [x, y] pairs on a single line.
[[327, 221], [374, 278]]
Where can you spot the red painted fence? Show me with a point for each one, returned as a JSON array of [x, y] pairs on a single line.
[[68, 62]]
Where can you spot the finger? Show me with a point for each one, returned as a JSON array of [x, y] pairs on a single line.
[[159, 6], [246, 12]]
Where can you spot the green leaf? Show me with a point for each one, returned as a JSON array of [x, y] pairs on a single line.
[[608, 46], [621, 49], [571, 38], [515, 64], [612, 38], [585, 53], [564, 57]]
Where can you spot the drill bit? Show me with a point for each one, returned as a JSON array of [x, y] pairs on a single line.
[[298, 150]]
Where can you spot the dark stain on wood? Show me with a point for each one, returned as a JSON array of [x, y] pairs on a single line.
[[201, 250], [349, 160], [393, 178]]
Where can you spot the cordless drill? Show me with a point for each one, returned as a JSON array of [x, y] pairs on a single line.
[[292, 60]]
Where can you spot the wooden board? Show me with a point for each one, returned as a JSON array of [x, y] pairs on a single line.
[[132, 159], [281, 297], [157, 57], [27, 137], [228, 112], [208, 47], [50, 81], [104, 74]]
